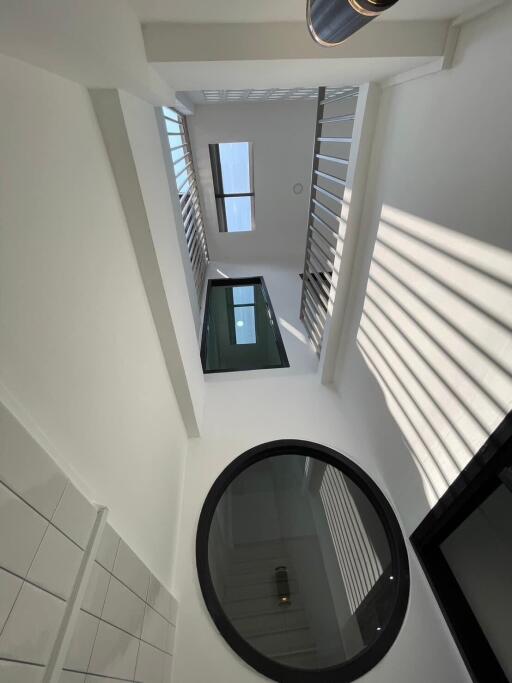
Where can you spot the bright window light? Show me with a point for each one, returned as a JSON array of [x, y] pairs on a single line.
[[233, 185]]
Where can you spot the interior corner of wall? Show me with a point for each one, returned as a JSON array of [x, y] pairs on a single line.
[[34, 430]]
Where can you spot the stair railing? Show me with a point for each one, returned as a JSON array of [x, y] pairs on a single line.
[[327, 207], [188, 193]]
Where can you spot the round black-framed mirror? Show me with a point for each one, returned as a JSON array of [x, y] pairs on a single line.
[[302, 563]]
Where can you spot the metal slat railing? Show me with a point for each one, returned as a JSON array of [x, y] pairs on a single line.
[[186, 184], [324, 243]]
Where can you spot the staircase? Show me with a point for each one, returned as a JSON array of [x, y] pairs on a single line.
[[281, 632], [327, 209]]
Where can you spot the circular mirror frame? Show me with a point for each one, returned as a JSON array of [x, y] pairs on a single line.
[[368, 657]]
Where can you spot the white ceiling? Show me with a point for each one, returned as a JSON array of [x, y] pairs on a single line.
[[282, 134], [226, 11], [304, 73]]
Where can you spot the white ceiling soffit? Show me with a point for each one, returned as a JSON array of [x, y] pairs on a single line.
[[169, 42], [259, 95], [238, 11], [246, 56], [198, 76]]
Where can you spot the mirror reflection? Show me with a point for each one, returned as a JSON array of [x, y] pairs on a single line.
[[301, 563]]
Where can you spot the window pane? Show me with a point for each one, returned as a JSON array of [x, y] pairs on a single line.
[[243, 295], [178, 153], [186, 187], [234, 161], [245, 325], [172, 127], [238, 214], [169, 112]]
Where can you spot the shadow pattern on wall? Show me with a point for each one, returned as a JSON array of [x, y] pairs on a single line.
[[436, 331]]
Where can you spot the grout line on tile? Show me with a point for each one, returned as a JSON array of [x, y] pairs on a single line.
[[137, 595], [22, 661], [103, 676], [137, 657], [47, 519], [120, 628], [68, 483], [102, 608], [72, 609], [33, 584], [103, 605], [15, 600]]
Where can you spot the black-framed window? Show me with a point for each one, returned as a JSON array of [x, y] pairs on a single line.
[[465, 547], [240, 329], [232, 170], [302, 563]]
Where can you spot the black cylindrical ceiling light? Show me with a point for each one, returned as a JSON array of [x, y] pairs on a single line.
[[331, 22]]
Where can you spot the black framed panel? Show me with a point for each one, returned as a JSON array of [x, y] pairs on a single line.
[[241, 282], [479, 481], [368, 656]]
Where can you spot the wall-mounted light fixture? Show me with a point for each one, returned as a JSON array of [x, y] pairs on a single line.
[[283, 586], [331, 22]]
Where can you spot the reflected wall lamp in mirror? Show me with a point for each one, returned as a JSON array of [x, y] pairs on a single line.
[[330, 22], [302, 563]]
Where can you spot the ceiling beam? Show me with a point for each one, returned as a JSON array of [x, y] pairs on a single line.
[[172, 42]]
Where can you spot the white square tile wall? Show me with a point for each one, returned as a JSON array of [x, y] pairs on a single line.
[[126, 624], [15, 672], [134, 638], [41, 550]]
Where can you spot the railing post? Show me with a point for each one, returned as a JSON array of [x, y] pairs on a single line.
[[314, 167]]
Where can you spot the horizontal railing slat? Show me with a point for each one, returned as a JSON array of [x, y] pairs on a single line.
[[325, 192], [338, 119], [326, 209], [334, 139], [331, 178], [339, 98], [334, 160]]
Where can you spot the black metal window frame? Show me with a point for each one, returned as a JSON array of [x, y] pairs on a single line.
[[241, 282], [218, 186], [473, 486], [369, 657]]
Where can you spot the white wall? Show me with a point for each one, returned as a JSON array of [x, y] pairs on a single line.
[[437, 326], [96, 43], [242, 414], [282, 135], [443, 174], [136, 153], [165, 221], [80, 359]]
